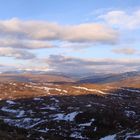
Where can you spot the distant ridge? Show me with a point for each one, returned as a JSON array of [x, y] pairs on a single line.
[[28, 77], [109, 78]]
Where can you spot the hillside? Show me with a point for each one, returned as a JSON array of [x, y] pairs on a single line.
[[71, 111]]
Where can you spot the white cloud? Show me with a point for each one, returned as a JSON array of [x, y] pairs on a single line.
[[48, 31], [77, 65], [6, 67], [127, 51], [16, 53], [24, 44], [122, 19], [73, 65]]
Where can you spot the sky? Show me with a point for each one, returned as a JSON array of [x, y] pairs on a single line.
[[76, 36]]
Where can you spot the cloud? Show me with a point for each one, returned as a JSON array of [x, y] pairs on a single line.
[[89, 33], [24, 44], [127, 51], [73, 65], [122, 19], [16, 53], [5, 67], [37, 34], [80, 66]]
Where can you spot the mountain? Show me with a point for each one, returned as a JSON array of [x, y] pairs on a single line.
[[72, 75], [109, 78], [55, 77], [31, 108], [128, 82], [28, 77]]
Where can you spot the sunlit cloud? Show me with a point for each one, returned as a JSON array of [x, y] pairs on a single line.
[[43, 31]]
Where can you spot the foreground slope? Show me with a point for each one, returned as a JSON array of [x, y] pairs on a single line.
[[69, 111]]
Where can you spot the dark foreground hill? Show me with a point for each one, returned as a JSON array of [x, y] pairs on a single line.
[[44, 111]]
